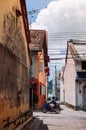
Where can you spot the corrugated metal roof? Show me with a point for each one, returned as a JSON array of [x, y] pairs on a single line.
[[79, 48], [37, 39]]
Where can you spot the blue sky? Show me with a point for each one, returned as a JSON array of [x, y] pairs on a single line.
[[36, 4], [63, 20]]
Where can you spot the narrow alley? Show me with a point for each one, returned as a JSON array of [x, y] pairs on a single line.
[[68, 119], [42, 64]]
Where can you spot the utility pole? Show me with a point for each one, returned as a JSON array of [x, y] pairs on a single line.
[[55, 82], [32, 12]]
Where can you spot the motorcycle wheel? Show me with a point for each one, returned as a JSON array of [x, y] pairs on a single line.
[[44, 110], [57, 110]]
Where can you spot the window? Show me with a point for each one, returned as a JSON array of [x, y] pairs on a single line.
[[42, 90], [40, 67], [32, 71], [83, 65]]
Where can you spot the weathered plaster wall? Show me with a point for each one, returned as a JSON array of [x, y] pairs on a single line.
[[14, 61], [42, 79]]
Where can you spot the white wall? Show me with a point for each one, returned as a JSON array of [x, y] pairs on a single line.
[[69, 80]]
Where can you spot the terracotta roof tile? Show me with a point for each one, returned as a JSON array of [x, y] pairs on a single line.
[[37, 39]]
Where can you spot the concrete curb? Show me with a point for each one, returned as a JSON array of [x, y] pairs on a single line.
[[33, 124], [36, 124], [23, 124]]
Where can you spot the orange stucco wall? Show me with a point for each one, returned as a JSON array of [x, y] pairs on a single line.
[[41, 78]]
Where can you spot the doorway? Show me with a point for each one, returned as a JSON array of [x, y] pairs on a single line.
[[84, 96]]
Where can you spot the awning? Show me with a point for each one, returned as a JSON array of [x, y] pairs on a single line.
[[47, 58], [34, 81], [47, 71], [81, 75]]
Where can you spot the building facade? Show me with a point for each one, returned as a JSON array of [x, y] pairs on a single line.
[[75, 74], [56, 84], [62, 88], [39, 68], [14, 60]]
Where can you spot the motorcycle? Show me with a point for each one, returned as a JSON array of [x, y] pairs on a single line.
[[47, 108]]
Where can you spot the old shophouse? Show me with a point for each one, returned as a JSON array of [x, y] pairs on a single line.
[[39, 68], [75, 74]]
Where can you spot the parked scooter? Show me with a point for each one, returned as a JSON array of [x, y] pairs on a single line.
[[47, 108]]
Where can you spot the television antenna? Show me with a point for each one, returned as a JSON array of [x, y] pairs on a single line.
[[32, 12]]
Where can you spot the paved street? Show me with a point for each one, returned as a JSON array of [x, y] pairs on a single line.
[[68, 119]]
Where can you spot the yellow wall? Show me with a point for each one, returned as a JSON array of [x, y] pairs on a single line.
[[13, 40], [7, 8]]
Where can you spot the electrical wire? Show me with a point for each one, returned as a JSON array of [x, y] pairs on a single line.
[[73, 32]]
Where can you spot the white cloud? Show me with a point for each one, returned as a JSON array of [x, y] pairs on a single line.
[[62, 16]]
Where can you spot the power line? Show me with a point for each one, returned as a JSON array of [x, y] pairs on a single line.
[[56, 48], [80, 32], [68, 54], [33, 11], [67, 35]]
